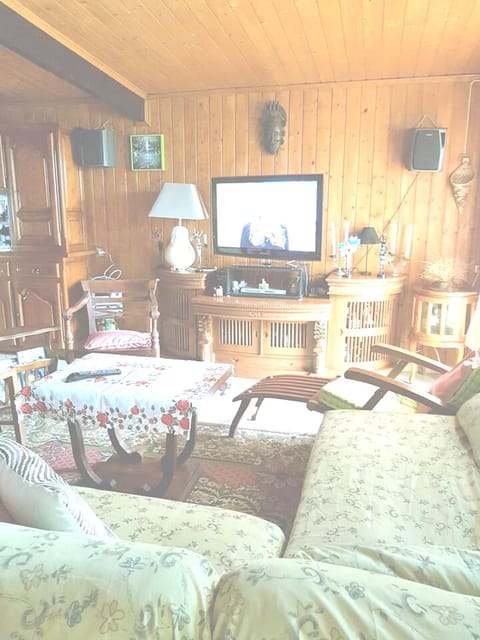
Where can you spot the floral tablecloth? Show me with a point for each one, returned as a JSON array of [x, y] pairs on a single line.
[[150, 395]]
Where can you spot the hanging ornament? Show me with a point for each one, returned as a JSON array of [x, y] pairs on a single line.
[[461, 180]]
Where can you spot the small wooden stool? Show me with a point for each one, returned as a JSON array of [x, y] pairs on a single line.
[[296, 387]]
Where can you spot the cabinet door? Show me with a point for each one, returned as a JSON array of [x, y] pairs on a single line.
[[74, 218], [6, 300], [32, 176], [39, 303], [3, 166]]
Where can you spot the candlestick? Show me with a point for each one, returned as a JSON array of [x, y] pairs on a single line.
[[347, 230], [334, 240], [408, 242], [393, 237]]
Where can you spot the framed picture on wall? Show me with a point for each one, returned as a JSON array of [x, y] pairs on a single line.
[[147, 152]]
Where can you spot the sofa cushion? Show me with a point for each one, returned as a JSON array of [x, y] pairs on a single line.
[[468, 417], [118, 339], [36, 496], [5, 515], [287, 598], [59, 586], [228, 539], [375, 479], [448, 568]]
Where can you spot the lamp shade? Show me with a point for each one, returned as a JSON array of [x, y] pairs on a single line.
[[179, 200], [368, 235]]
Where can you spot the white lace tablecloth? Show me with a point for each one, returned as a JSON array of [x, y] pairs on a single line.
[[151, 395]]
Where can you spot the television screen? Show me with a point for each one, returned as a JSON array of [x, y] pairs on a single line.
[[272, 217]]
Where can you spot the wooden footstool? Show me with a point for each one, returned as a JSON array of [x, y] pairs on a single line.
[[296, 387]]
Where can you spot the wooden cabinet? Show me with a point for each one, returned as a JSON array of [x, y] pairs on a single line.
[[177, 323], [45, 188], [49, 252], [363, 314], [260, 336], [440, 320]]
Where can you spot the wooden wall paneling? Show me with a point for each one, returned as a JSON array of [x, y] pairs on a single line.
[[190, 142], [379, 215], [322, 125], [286, 159], [270, 163], [294, 132], [203, 156], [335, 205], [351, 159], [441, 203], [242, 134], [215, 140], [255, 106], [228, 135], [308, 131], [366, 149], [354, 36], [178, 142], [407, 56]]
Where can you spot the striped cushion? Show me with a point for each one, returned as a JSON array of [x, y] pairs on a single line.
[[36, 496]]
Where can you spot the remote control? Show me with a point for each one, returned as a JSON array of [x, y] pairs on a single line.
[[82, 375]]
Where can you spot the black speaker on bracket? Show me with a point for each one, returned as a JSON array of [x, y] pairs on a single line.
[[427, 149], [94, 147]]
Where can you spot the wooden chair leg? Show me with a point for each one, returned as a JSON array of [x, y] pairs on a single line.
[[238, 416]]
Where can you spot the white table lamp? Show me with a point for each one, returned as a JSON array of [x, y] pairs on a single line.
[[181, 201]]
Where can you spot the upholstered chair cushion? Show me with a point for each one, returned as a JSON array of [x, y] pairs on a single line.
[[118, 339]]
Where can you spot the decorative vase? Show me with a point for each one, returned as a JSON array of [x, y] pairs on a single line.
[[179, 253]]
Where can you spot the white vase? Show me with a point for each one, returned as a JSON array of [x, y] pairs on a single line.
[[179, 253]]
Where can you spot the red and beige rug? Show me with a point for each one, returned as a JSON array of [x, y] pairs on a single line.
[[256, 472]]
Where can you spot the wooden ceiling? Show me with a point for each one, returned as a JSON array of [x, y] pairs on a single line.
[[168, 46]]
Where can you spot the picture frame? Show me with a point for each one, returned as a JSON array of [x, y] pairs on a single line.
[[147, 152]]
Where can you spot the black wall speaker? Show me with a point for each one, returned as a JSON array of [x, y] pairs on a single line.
[[94, 147], [427, 149]]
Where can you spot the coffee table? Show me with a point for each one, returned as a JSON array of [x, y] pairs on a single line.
[[150, 396]]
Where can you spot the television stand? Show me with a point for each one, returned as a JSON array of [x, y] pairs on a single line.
[[288, 334]]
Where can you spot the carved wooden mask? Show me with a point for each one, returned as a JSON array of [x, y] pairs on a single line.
[[274, 119]]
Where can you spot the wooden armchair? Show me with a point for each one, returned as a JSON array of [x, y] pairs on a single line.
[[114, 316], [312, 389], [400, 359]]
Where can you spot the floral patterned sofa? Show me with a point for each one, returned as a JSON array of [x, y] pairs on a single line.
[[385, 544]]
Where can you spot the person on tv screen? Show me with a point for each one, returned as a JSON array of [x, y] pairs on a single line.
[[260, 234]]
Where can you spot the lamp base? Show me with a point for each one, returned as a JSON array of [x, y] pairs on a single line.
[[179, 254]]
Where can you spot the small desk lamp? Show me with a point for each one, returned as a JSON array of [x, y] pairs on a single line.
[[182, 201], [368, 236]]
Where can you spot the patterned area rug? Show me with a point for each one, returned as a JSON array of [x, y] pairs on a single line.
[[256, 472]]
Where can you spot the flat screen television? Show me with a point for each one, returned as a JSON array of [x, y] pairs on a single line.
[[268, 217]]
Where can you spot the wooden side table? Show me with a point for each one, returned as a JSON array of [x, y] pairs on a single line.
[[440, 320], [363, 314], [178, 336]]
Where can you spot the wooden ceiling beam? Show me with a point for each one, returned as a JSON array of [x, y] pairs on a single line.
[[26, 39]]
